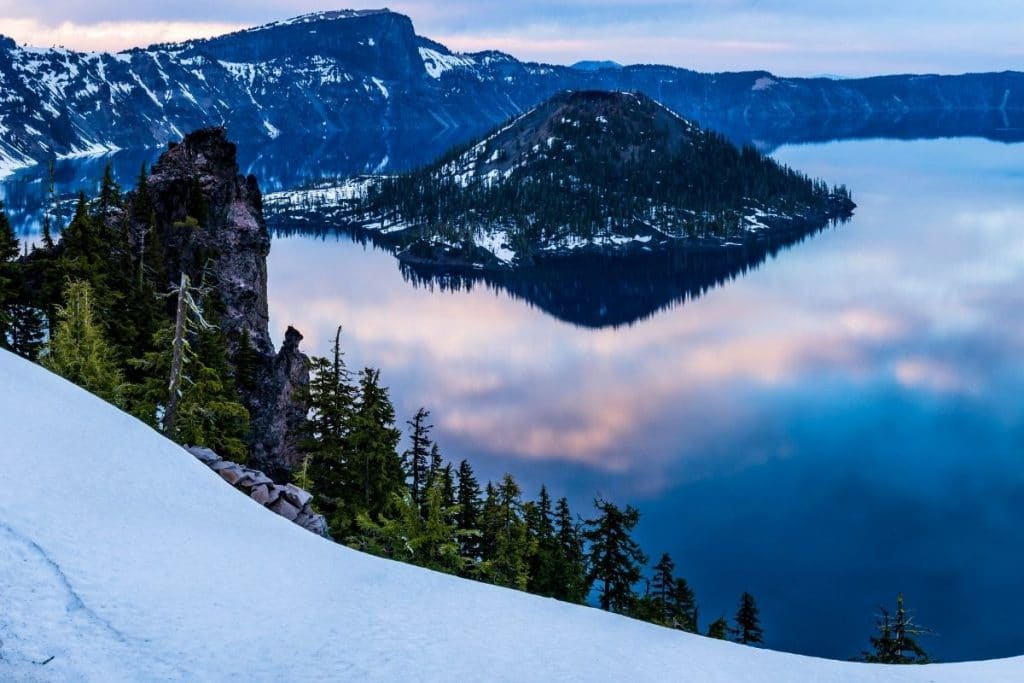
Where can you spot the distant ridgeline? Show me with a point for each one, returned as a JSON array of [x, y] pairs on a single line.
[[586, 173]]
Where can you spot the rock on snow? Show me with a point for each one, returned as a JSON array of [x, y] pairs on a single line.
[[109, 571]]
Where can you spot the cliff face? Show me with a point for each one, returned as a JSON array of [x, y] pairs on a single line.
[[210, 223]]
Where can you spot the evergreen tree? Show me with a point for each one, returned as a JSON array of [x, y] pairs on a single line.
[[574, 572], [748, 623], [8, 279], [417, 457], [614, 558], [896, 642], [110, 195], [430, 540], [373, 475], [26, 334], [683, 612], [331, 397], [548, 564], [247, 363], [718, 629], [468, 519], [203, 407], [662, 584], [508, 536], [78, 349]]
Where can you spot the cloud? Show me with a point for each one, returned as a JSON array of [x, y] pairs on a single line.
[[789, 37], [110, 35]]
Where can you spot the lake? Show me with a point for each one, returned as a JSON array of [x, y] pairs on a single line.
[[840, 423]]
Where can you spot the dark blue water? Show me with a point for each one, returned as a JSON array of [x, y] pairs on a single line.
[[842, 423]]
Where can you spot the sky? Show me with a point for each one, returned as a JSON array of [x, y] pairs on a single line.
[[788, 37]]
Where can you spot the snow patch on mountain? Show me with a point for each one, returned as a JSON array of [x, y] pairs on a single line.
[[437, 63]]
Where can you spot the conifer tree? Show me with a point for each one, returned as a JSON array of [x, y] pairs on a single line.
[[247, 363], [683, 612], [110, 194], [570, 540], [331, 396], [896, 642], [430, 540], [8, 279], [748, 623], [417, 457], [507, 565], [468, 519], [78, 349], [614, 558], [548, 563], [27, 331], [718, 629], [662, 584], [373, 475], [188, 388]]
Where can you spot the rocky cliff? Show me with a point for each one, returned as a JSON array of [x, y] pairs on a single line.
[[210, 223]]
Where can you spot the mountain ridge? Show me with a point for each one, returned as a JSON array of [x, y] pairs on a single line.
[[368, 77]]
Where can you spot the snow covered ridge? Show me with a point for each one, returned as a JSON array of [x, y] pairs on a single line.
[[103, 578], [299, 77]]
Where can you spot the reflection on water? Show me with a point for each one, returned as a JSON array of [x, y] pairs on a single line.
[[840, 424]]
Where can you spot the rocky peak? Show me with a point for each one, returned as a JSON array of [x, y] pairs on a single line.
[[210, 222]]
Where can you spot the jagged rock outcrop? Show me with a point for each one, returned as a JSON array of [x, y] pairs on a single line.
[[210, 223], [288, 500]]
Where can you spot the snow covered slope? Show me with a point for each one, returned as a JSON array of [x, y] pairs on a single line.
[[124, 559]]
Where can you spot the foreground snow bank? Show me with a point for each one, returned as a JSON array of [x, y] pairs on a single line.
[[124, 558]]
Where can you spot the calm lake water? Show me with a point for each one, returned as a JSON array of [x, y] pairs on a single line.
[[840, 424], [844, 422]]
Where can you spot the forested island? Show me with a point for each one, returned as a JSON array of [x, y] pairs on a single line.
[[584, 173]]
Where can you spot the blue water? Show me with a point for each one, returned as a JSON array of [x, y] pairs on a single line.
[[840, 424]]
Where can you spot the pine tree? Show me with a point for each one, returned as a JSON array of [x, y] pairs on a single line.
[[78, 349], [27, 331], [188, 388], [110, 194], [896, 641], [418, 455], [548, 562], [662, 584], [247, 363], [573, 582], [614, 558], [372, 476], [683, 612], [430, 540], [467, 497], [331, 396], [718, 629], [8, 278], [507, 536], [748, 624]]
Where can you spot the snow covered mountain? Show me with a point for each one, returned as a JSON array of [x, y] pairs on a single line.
[[365, 78], [124, 558]]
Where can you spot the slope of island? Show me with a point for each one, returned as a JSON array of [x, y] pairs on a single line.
[[584, 173], [125, 558]]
